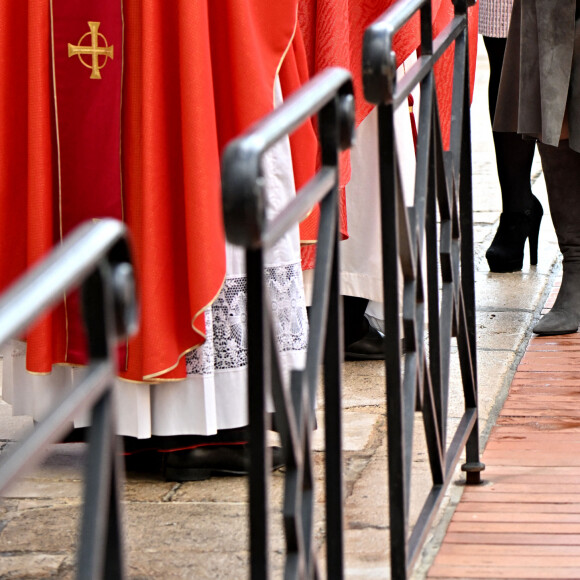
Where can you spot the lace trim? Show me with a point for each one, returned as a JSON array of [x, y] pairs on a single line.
[[226, 346]]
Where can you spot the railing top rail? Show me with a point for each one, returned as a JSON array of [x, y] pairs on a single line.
[[402, 11], [396, 16], [379, 59], [242, 180], [94, 258], [65, 268], [298, 107]]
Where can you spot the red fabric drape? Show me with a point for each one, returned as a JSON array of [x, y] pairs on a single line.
[[444, 67], [182, 63], [26, 151], [304, 141], [194, 75], [248, 41], [332, 35], [171, 180]]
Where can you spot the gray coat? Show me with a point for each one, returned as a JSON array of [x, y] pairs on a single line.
[[539, 92]]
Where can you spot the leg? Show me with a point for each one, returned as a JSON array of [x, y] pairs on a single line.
[[562, 173], [514, 155], [522, 212]]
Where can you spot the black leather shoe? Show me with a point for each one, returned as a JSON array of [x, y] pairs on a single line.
[[201, 463], [369, 347], [143, 462]]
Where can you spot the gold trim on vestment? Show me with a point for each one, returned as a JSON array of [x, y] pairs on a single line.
[[153, 378], [121, 189], [305, 242], [59, 173], [121, 112], [57, 364], [283, 57], [156, 376]]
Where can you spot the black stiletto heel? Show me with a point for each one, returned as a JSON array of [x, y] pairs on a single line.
[[534, 235], [506, 253]]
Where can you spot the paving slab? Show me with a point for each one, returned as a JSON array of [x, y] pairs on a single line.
[[26, 566]]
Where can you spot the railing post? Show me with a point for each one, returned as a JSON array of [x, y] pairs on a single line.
[[397, 418], [330, 95], [258, 377], [329, 128], [473, 466], [100, 552], [443, 179]]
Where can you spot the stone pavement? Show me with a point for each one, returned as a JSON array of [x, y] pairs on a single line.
[[198, 530]]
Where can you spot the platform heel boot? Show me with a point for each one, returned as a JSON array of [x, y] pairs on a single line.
[[561, 167], [506, 253], [522, 212]]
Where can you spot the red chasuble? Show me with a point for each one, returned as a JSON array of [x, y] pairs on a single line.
[[444, 67], [27, 151], [145, 94], [77, 151], [188, 91], [249, 40]]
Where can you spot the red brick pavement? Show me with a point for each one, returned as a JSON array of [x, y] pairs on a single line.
[[524, 520]]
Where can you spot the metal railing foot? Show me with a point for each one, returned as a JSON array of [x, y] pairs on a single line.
[[473, 472]]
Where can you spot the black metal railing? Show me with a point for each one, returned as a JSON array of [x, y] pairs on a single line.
[[96, 258], [437, 279], [330, 95]]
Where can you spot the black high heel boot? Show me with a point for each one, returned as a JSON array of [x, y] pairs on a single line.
[[506, 253]]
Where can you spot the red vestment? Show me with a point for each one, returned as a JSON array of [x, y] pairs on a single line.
[[182, 62]]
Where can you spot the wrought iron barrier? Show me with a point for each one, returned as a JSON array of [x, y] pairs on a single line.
[[330, 95], [95, 257], [444, 298]]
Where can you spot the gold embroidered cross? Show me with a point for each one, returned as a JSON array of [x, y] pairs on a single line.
[[94, 50]]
